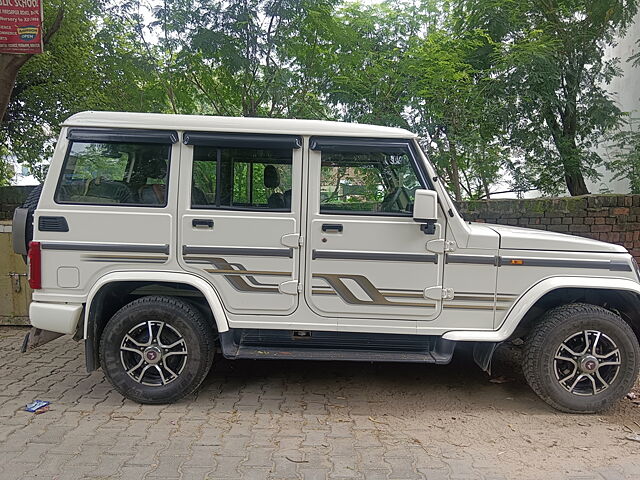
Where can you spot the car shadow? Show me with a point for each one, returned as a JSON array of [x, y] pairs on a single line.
[[372, 386]]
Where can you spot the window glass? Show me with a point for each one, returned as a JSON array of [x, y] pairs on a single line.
[[367, 182], [115, 173], [242, 178]]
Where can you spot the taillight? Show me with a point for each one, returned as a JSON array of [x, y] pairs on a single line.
[[34, 266]]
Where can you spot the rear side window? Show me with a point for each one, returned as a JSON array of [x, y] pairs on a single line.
[[242, 178], [113, 173]]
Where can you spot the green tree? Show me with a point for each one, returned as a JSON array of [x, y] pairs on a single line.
[[553, 70], [242, 57], [625, 159], [454, 106], [10, 64], [398, 64], [92, 63], [363, 61]]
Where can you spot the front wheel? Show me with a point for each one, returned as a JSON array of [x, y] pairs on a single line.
[[156, 349], [581, 358]]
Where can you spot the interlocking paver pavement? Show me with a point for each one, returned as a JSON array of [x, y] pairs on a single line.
[[298, 420]]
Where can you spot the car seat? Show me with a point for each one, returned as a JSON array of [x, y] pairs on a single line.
[[272, 181]]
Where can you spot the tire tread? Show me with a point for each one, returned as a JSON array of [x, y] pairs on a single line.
[[194, 317], [540, 334]]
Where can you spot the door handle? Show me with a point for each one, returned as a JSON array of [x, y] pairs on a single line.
[[332, 227], [200, 222]]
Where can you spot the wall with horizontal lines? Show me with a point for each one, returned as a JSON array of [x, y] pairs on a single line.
[[610, 218]]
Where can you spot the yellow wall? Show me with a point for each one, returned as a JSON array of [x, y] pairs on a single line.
[[14, 306]]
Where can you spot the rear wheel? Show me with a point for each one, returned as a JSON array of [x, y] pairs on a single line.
[[581, 358], [156, 349]]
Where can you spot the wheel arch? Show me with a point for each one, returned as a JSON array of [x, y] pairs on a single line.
[[115, 285], [620, 295]]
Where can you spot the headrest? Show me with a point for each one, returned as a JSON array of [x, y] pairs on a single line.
[[271, 177]]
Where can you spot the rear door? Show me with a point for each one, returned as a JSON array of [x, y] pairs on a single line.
[[240, 218], [368, 261], [107, 205]]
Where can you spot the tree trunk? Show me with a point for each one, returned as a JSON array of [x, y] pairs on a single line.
[[9, 67], [11, 64], [565, 141], [575, 182], [455, 171], [572, 169]]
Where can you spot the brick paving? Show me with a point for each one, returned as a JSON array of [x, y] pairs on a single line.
[[297, 420]]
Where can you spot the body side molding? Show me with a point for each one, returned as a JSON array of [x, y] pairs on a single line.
[[248, 251], [107, 247], [530, 297], [375, 256]]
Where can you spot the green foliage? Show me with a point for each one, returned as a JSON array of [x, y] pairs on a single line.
[[95, 161], [553, 70], [91, 63], [245, 57], [505, 95], [6, 167], [456, 108], [625, 159]]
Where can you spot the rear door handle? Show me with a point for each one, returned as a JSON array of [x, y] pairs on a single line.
[[200, 222], [332, 227]]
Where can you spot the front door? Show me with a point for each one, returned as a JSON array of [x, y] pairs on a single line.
[[369, 263], [240, 218]]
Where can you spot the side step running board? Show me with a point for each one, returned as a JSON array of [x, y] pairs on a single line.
[[441, 354]]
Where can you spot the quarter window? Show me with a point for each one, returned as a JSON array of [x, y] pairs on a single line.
[[115, 174], [242, 178], [367, 183]]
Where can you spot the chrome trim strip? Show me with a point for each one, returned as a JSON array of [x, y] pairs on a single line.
[[389, 257], [248, 251], [612, 265], [107, 247]]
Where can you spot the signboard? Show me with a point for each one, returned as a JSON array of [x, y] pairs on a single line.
[[21, 26]]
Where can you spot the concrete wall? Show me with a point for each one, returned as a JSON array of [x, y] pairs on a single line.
[[626, 93], [610, 218]]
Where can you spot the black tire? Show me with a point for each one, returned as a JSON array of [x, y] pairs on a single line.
[[568, 323], [178, 317], [31, 203]]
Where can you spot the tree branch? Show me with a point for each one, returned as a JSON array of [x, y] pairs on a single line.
[[55, 26]]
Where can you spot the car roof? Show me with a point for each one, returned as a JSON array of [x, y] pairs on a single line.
[[232, 124]]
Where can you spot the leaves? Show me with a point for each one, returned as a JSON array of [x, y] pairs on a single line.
[[506, 95]]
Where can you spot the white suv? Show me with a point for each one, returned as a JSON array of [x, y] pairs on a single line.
[[161, 239]]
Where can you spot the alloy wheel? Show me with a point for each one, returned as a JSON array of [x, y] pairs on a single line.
[[153, 353], [587, 363]]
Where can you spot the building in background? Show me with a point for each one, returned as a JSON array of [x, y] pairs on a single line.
[[626, 91], [22, 175]]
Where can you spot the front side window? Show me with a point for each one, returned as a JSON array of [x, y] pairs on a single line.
[[367, 183], [241, 178], [115, 174]]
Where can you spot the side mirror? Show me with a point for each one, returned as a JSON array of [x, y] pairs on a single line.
[[425, 210]]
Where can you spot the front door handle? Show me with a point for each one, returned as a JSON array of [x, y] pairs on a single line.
[[202, 223], [332, 227]]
